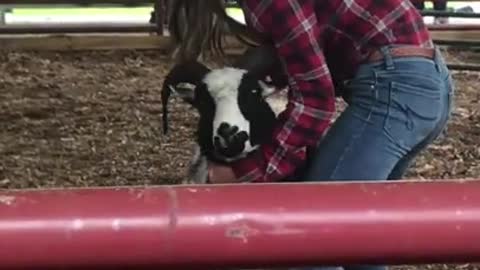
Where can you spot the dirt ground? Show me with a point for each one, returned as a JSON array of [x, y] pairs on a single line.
[[94, 118]]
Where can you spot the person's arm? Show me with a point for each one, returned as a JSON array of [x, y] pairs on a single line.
[[294, 29]]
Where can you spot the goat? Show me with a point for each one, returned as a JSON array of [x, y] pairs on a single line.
[[234, 116]]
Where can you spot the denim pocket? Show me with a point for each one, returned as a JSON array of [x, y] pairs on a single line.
[[362, 95], [413, 111]]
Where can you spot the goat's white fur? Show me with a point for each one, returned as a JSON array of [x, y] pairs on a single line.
[[223, 86]]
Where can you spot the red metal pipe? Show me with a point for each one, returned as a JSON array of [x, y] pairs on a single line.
[[178, 227]]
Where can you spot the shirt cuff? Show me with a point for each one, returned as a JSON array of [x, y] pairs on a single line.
[[251, 168]]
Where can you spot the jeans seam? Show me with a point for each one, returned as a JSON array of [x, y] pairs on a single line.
[[354, 139], [443, 121], [386, 124], [365, 123]]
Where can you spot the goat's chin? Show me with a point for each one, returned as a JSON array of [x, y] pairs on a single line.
[[227, 159], [237, 157], [198, 167]]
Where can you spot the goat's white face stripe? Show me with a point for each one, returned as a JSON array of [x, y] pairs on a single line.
[[223, 86]]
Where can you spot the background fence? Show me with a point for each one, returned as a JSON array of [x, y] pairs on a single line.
[[145, 27]]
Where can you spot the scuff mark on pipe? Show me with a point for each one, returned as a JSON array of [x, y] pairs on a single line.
[[78, 224], [173, 198], [172, 218], [7, 200], [116, 225], [242, 232]]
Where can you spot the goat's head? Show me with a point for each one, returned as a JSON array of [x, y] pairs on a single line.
[[234, 117]]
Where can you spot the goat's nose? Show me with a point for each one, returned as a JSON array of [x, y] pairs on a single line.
[[226, 131], [229, 142]]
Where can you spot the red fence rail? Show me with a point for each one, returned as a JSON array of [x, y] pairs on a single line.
[[180, 227]]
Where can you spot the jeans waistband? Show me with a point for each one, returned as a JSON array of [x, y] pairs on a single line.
[[400, 51], [389, 55]]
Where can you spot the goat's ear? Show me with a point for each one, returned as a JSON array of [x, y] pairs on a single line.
[[267, 90], [185, 91]]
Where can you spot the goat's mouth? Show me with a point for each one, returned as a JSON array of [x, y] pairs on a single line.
[[230, 145], [226, 159], [222, 155]]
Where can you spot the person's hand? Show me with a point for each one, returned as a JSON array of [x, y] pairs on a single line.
[[219, 174]]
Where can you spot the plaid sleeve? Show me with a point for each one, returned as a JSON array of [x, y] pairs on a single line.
[[295, 31]]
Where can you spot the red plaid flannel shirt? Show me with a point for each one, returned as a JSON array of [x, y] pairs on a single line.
[[308, 34]]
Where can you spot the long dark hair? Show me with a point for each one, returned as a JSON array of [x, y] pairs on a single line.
[[198, 29]]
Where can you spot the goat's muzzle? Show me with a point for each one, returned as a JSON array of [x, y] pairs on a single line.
[[230, 142]]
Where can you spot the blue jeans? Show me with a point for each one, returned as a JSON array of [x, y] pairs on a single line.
[[396, 108]]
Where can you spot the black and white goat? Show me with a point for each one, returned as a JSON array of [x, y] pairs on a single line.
[[234, 115]]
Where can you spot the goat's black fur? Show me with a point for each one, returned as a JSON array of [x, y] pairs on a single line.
[[263, 61]]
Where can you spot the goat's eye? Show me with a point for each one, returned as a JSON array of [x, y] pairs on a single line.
[[254, 91]]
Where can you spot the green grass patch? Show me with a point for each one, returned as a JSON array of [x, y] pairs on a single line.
[[453, 5], [234, 11], [94, 11]]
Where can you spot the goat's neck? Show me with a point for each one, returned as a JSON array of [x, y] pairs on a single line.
[[214, 158]]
